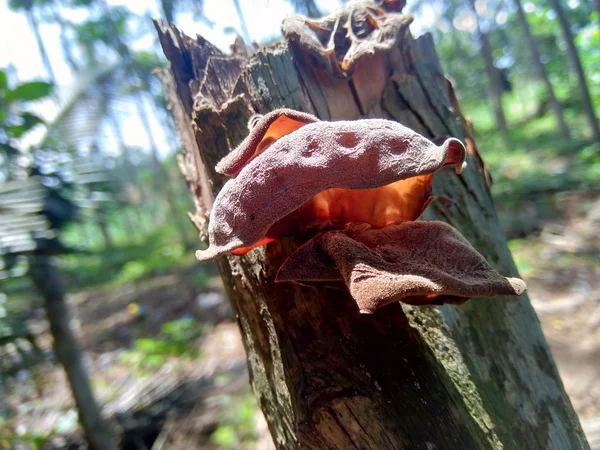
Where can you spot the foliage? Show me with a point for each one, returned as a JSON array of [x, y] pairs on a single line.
[[155, 253], [120, 194], [538, 160], [15, 119], [34, 439], [18, 348], [237, 423], [459, 52], [589, 43], [175, 340]]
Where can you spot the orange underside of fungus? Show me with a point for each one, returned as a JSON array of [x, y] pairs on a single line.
[[363, 183]]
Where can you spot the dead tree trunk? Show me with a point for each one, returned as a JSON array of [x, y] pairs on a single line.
[[477, 376], [48, 281]]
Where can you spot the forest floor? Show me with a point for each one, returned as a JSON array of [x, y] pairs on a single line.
[[194, 384]]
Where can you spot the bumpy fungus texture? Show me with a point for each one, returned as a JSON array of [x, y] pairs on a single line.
[[264, 131], [365, 182], [414, 262], [322, 174]]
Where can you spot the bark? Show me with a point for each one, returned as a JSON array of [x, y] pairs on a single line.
[[48, 281], [541, 71], [479, 376], [493, 74], [573, 55]]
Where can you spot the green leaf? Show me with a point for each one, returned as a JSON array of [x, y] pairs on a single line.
[[154, 361], [3, 80], [32, 90], [224, 437], [148, 345], [28, 121]]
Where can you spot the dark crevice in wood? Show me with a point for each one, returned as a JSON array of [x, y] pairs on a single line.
[[356, 97], [414, 112], [433, 107], [332, 413]]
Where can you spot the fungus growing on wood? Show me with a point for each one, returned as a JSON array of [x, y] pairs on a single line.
[[322, 174], [264, 131], [417, 263], [364, 183]]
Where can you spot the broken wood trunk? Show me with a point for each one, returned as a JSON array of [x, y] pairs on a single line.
[[474, 376]]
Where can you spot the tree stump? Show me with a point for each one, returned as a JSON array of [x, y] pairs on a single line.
[[474, 376]]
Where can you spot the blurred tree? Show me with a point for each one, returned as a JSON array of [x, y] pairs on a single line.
[[306, 7], [110, 30], [48, 281], [169, 9], [541, 70], [493, 74], [242, 20], [573, 56], [27, 7], [39, 244], [66, 42]]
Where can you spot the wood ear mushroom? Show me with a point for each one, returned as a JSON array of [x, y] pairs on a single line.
[[294, 172]]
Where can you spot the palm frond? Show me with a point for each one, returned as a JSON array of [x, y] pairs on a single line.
[[80, 117]]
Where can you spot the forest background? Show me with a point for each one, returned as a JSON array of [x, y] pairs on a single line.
[[86, 141]]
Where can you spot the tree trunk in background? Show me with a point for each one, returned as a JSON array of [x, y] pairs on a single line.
[[308, 8], [35, 27], [541, 71], [573, 55], [48, 281], [493, 74], [131, 172], [65, 43], [242, 20], [123, 50], [100, 220], [168, 10], [478, 376]]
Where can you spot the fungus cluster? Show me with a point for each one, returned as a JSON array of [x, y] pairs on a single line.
[[361, 184]]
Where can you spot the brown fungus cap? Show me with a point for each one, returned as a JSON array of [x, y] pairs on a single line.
[[322, 174], [418, 263], [264, 131]]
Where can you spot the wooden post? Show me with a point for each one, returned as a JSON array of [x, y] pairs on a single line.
[[475, 376]]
